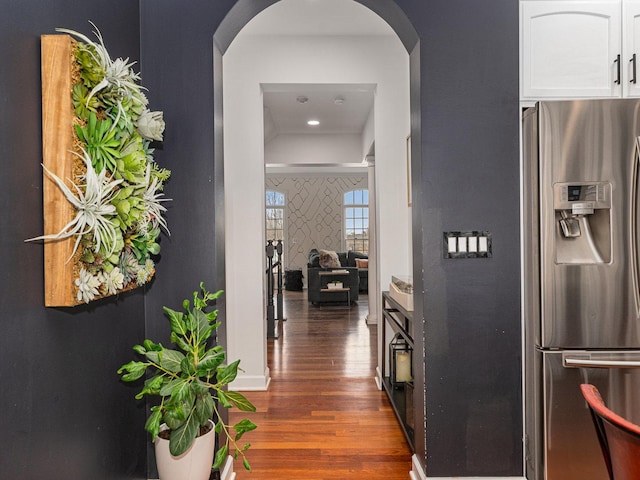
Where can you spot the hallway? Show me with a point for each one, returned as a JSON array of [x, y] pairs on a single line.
[[323, 417]]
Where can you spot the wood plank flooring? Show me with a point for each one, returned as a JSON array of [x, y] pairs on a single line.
[[323, 417]]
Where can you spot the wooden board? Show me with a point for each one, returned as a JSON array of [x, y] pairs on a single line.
[[57, 145]]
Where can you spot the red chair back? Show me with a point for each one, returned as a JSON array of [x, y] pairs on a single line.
[[619, 438]]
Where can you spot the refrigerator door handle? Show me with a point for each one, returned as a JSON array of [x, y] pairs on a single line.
[[634, 226], [588, 363]]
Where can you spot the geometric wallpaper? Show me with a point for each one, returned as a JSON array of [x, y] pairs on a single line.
[[313, 213]]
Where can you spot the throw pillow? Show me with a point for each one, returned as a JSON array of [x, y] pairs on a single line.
[[314, 258], [352, 255], [329, 259], [362, 262]]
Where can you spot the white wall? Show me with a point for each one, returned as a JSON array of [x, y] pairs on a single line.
[[368, 135], [252, 61], [314, 212], [310, 148]]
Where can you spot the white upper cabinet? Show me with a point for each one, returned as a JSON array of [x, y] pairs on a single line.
[[631, 48], [573, 49]]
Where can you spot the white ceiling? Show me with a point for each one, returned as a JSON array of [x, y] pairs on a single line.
[[283, 114], [340, 109]]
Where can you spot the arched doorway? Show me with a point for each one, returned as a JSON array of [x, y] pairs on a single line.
[[256, 60], [246, 334]]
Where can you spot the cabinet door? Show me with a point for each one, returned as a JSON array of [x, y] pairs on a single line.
[[631, 47], [570, 49]]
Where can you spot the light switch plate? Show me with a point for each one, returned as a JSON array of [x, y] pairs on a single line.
[[473, 244]]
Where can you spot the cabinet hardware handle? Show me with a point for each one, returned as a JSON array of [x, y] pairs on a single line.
[[617, 61], [633, 69]]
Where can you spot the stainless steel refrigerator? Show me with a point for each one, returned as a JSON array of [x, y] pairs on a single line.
[[582, 285]]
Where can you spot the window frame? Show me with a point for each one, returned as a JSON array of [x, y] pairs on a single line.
[[355, 242], [282, 207]]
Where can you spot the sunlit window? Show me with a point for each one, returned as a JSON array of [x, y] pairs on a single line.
[[274, 215], [356, 220]]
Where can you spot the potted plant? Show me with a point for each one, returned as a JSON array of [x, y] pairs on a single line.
[[191, 383]]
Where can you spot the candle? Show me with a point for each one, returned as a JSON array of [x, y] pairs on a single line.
[[403, 367]]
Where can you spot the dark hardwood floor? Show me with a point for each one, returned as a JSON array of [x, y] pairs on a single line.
[[323, 417]]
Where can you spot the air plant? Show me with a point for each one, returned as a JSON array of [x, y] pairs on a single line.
[[94, 211], [153, 207], [118, 76]]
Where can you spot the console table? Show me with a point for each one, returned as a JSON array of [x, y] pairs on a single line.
[[397, 320]]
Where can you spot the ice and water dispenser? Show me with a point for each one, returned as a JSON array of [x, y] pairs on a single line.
[[583, 219]]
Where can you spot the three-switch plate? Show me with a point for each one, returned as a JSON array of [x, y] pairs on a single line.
[[467, 244]]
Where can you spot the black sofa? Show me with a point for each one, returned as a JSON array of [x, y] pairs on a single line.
[[357, 280]]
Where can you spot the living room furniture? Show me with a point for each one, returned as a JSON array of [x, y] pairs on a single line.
[[332, 285], [318, 291], [347, 260]]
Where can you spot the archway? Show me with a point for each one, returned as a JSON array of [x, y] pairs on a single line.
[[239, 342]]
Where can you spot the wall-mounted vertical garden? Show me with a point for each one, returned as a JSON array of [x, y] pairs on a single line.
[[102, 190]]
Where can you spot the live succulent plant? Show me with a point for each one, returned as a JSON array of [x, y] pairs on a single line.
[[118, 196]]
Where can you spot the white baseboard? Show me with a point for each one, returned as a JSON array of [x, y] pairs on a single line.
[[414, 476], [246, 383], [377, 378], [417, 473], [227, 472]]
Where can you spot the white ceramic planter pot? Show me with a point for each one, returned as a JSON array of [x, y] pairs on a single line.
[[194, 464]]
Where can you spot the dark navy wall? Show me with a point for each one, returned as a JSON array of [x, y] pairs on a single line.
[[65, 413], [60, 395], [468, 180], [177, 67]]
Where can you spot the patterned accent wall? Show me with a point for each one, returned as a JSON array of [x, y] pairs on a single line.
[[313, 213]]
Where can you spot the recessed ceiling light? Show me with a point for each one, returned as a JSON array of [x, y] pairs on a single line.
[[313, 123], [338, 100]]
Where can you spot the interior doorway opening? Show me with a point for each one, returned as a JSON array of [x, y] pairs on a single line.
[[320, 172], [265, 54]]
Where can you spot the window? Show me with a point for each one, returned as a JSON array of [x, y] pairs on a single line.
[[274, 215], [356, 220]]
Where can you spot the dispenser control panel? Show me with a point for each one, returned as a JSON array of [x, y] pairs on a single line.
[[582, 197]]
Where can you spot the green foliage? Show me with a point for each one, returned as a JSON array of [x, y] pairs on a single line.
[[132, 164], [101, 142], [191, 380], [129, 207], [83, 104], [91, 71], [108, 103], [143, 246]]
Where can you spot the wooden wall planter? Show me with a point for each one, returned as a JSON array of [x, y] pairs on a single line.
[[59, 73], [58, 139]]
